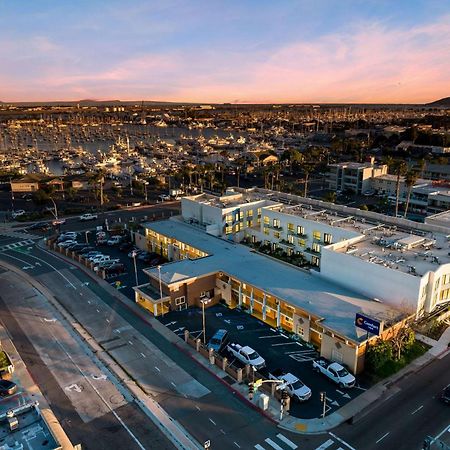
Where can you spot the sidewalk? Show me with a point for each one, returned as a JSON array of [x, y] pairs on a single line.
[[354, 410]]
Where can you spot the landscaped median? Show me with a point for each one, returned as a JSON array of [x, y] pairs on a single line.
[[6, 365]]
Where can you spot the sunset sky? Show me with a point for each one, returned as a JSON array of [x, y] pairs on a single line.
[[225, 51]]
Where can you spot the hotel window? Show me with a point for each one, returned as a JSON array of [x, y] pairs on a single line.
[[315, 247], [274, 246], [266, 220], [229, 230], [289, 251], [266, 231], [180, 300], [301, 242], [300, 230], [259, 211], [327, 238], [241, 215], [276, 234], [290, 239], [315, 261], [276, 223], [249, 223], [437, 283], [229, 219], [291, 227], [316, 235], [250, 213]]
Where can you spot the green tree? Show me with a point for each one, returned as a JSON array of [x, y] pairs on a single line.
[[40, 197], [330, 197], [378, 355], [410, 179], [402, 341]]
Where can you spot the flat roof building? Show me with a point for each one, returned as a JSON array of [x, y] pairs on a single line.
[[306, 266]]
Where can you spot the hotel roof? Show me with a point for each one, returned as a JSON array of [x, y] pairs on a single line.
[[307, 291]]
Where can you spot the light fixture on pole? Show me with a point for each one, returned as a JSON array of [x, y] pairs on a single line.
[[204, 302], [135, 268]]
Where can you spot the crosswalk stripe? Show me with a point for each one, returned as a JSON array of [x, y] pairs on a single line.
[[286, 441], [273, 444], [259, 447], [325, 445]]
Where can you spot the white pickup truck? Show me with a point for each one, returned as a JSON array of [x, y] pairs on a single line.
[[335, 372], [246, 355], [295, 387]]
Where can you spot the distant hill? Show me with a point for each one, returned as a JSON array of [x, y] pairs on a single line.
[[442, 102]]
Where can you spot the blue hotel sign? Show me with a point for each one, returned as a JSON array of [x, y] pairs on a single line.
[[366, 323]]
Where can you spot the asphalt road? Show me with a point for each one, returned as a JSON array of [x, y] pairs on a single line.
[[81, 396], [229, 423], [403, 421]]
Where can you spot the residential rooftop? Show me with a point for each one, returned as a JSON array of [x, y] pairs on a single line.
[[337, 306], [32, 432]]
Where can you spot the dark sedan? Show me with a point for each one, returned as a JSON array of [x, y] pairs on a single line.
[[7, 387]]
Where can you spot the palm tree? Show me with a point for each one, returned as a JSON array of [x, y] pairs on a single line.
[[399, 169], [410, 179]]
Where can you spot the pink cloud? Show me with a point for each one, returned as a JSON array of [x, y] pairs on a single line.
[[366, 63]]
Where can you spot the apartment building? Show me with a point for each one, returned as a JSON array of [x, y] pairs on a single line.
[[388, 269], [353, 176]]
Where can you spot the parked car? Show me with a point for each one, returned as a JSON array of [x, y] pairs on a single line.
[[335, 372], [43, 226], [107, 263], [18, 213], [115, 269], [219, 341], [164, 197], [90, 254], [7, 387], [68, 243], [85, 249], [59, 222], [99, 258], [445, 396], [246, 355], [88, 216], [294, 386], [114, 240]]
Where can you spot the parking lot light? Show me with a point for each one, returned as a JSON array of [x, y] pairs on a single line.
[[204, 302]]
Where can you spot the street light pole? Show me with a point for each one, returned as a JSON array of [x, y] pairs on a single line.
[[160, 284], [204, 302], [56, 209], [145, 190], [135, 269]]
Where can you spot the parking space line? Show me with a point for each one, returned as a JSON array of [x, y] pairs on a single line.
[[173, 384], [382, 437], [157, 368], [267, 337], [236, 444], [212, 421], [197, 407], [284, 343], [143, 355]]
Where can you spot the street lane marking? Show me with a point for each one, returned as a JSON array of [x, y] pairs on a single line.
[[130, 342], [212, 421], [173, 384], [273, 444], [143, 355], [223, 432], [288, 442], [382, 437], [341, 441], [418, 409], [236, 444], [259, 447], [198, 408], [157, 368], [325, 445]]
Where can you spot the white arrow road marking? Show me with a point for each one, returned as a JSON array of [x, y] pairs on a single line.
[[73, 387]]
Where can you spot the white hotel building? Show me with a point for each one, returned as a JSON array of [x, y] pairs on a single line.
[[352, 262]]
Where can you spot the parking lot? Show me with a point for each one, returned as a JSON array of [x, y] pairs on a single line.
[[278, 349], [127, 279]]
